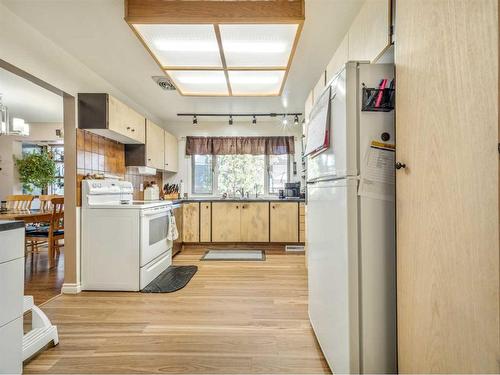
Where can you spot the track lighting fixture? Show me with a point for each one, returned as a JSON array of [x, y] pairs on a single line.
[[254, 116]]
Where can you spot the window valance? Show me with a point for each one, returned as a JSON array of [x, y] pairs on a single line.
[[240, 145]]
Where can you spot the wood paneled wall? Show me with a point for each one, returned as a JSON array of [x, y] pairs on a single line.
[[98, 154]]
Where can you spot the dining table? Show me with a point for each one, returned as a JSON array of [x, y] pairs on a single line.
[[28, 216]]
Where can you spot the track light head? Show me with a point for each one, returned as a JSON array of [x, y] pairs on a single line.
[[296, 120], [230, 120], [195, 120], [254, 120], [285, 120]]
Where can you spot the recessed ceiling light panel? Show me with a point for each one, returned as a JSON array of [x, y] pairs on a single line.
[[200, 82], [182, 45], [256, 82], [258, 45]]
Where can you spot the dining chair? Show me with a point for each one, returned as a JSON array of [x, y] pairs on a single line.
[[54, 233], [19, 202], [45, 204]]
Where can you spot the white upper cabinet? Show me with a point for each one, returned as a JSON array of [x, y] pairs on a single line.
[[338, 60], [155, 148], [171, 162], [369, 34], [319, 88]]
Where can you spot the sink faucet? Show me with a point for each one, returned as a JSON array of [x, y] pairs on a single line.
[[241, 191], [256, 187]]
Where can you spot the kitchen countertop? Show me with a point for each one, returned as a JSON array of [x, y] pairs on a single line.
[[187, 200], [10, 224]]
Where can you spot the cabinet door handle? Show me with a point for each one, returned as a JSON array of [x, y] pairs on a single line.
[[237, 206], [272, 207], [133, 130], [128, 127], [400, 165]]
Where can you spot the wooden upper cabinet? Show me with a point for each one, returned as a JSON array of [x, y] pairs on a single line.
[[191, 222], [107, 116], [205, 221], [284, 222], [155, 148], [254, 222], [171, 162], [226, 221], [369, 34]]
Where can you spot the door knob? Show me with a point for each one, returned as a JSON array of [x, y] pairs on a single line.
[[400, 165]]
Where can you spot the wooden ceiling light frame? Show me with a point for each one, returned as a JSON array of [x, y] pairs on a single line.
[[217, 12]]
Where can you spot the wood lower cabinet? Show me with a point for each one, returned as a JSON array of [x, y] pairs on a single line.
[[241, 222], [226, 221], [302, 222], [284, 222], [254, 222], [205, 221], [191, 222]]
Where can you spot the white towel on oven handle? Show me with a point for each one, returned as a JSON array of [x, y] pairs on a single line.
[[173, 233]]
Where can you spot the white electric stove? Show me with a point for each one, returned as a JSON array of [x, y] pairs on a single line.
[[124, 242]]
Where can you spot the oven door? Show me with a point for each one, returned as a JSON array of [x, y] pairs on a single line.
[[154, 229]]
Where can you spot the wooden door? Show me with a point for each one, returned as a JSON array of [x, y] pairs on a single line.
[[226, 222], [205, 222], [155, 147], [284, 222], [171, 153], [191, 222], [255, 222], [447, 196]]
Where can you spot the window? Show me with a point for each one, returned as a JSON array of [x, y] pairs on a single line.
[[202, 174], [261, 174], [278, 172], [236, 172]]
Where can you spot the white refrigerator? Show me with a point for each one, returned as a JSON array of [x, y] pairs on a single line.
[[351, 235]]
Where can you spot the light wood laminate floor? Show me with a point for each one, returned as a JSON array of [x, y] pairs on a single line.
[[233, 317]]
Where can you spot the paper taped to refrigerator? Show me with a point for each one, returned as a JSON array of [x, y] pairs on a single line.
[[378, 179], [318, 138]]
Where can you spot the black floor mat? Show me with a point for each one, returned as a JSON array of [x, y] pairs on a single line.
[[171, 280]]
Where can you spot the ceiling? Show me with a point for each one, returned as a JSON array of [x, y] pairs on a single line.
[[95, 32], [29, 101]]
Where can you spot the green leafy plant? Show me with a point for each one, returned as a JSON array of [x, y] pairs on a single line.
[[36, 170]]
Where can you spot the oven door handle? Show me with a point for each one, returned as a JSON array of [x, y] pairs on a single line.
[[162, 212]]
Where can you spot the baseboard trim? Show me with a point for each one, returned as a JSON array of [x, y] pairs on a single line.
[[68, 288]]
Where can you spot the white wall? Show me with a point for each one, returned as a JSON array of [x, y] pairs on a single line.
[[26, 48], [11, 146], [214, 129], [9, 180]]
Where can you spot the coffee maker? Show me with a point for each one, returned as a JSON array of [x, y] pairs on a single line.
[[292, 190]]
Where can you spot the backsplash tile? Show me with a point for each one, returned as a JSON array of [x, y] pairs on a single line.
[[98, 154]]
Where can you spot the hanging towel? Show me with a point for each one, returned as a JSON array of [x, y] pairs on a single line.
[[173, 234]]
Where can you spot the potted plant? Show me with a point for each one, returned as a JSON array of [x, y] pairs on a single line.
[[36, 170]]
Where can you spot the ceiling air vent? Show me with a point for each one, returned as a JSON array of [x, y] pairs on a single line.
[[164, 82]]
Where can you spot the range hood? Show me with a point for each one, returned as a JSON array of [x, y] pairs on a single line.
[[142, 171]]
